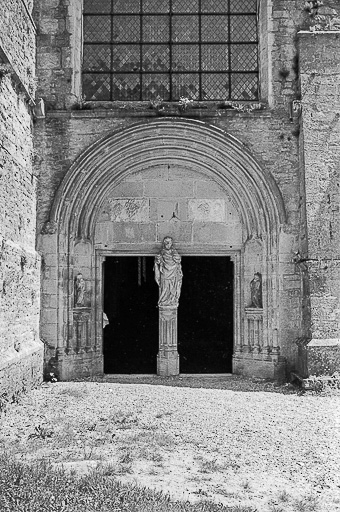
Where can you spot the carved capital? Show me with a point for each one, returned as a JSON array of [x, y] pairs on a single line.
[[49, 228]]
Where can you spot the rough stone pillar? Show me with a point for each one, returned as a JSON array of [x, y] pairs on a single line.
[[320, 137], [167, 358]]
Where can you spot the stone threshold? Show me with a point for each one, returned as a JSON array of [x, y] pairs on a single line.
[[154, 375]]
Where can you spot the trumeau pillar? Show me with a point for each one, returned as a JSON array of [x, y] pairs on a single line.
[[319, 60], [168, 275], [167, 358]]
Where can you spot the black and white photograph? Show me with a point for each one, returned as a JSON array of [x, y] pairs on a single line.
[[169, 256]]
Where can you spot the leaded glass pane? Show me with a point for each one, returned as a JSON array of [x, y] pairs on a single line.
[[97, 57], [126, 6], [126, 57], [156, 29], [185, 29], [185, 6], [214, 5], [243, 57], [125, 87], [215, 28], [154, 85], [128, 54], [243, 28], [244, 86], [185, 57], [156, 57], [242, 5], [156, 6], [215, 57], [97, 6], [186, 85], [215, 86], [125, 29], [97, 29], [96, 87]]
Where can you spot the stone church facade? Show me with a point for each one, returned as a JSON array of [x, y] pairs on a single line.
[[88, 179]]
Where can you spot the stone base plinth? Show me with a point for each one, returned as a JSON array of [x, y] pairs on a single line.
[[252, 367], [21, 371], [323, 356], [78, 366], [167, 364]]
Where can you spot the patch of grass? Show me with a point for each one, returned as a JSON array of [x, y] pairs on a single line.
[[124, 421], [156, 457], [152, 472], [40, 432], [41, 488], [283, 496], [153, 439], [242, 508], [89, 452], [220, 489], [307, 504], [126, 458], [65, 436], [162, 414], [276, 508], [209, 466], [149, 426], [212, 466], [245, 485], [201, 492]]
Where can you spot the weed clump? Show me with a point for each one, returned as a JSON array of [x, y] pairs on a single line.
[[40, 487]]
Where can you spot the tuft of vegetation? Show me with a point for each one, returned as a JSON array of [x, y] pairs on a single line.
[[284, 496], [308, 504], [212, 466], [40, 432], [42, 488]]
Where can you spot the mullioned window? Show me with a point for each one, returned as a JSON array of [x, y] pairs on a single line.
[[139, 50]]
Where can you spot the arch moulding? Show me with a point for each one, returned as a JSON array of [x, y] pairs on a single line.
[[192, 145]]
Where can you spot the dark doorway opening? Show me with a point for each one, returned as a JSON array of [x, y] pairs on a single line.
[[130, 303], [205, 315]]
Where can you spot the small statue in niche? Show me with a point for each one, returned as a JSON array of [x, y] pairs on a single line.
[[79, 291], [168, 274], [256, 291]]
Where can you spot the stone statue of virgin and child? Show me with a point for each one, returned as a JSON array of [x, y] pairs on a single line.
[[168, 274]]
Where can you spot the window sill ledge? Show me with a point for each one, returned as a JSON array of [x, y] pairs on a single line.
[[138, 110]]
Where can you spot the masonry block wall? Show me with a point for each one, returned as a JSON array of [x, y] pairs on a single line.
[[21, 352], [271, 135], [320, 85]]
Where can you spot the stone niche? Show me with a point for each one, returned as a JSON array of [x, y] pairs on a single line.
[[259, 353]]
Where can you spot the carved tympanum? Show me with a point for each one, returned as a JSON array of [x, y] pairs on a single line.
[[168, 274], [256, 291]]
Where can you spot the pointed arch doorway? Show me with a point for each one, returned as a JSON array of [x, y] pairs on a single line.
[[122, 195]]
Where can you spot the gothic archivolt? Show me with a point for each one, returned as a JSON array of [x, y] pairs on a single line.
[[186, 144]]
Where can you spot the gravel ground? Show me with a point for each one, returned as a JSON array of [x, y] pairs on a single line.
[[233, 440]]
